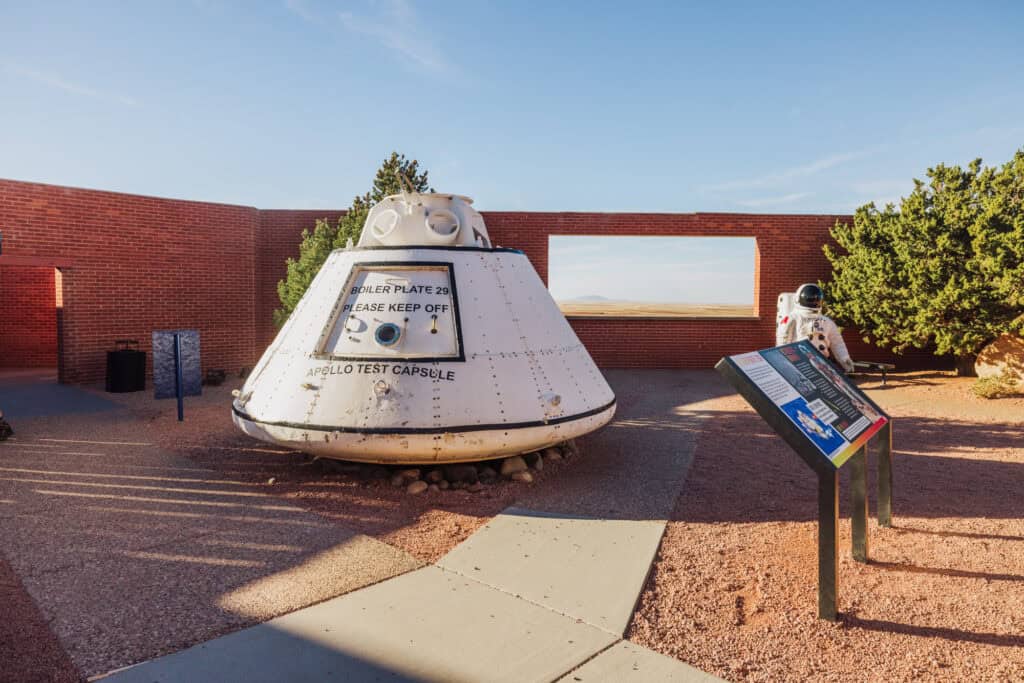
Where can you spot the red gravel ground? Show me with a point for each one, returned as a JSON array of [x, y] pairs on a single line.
[[734, 587], [26, 639], [426, 526]]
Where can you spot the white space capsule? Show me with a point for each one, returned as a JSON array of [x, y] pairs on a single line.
[[424, 344]]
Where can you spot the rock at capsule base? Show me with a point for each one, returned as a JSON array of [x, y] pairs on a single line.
[[510, 466]]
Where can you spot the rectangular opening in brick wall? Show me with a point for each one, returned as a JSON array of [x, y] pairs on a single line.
[[652, 277], [28, 317]]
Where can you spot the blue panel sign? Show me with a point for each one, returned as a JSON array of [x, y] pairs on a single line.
[[164, 370]]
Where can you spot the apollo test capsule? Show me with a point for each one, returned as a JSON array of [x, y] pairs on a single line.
[[424, 344]]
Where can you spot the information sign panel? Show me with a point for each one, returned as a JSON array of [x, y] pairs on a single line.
[[832, 417], [164, 371], [826, 420]]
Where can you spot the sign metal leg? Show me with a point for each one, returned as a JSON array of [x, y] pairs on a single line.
[[885, 475], [859, 503], [179, 384], [828, 545]]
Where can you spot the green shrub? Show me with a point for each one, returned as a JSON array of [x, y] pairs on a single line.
[[996, 386], [943, 270]]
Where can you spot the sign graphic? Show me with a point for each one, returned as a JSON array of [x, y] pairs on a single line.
[[832, 414]]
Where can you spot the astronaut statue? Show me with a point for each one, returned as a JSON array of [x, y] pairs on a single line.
[[806, 321]]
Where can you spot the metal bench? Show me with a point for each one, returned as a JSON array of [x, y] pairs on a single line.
[[871, 365]]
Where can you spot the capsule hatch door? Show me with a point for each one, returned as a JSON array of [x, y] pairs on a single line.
[[395, 310]]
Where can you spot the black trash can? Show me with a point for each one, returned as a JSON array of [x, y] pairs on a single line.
[[126, 367]]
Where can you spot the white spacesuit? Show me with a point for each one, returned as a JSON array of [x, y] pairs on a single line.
[[806, 321]]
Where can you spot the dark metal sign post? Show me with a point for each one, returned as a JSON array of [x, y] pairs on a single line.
[[179, 386], [827, 421], [828, 546], [859, 504], [884, 441]]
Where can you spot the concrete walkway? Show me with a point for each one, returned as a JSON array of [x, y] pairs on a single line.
[[438, 624], [543, 592]]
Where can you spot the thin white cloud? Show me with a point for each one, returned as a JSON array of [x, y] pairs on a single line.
[[773, 201], [55, 81], [785, 175], [1014, 133], [300, 8], [882, 186], [879, 191], [397, 27]]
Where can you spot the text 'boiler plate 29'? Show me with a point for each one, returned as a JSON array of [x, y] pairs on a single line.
[[424, 343]]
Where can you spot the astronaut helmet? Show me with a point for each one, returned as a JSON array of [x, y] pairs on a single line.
[[810, 296]]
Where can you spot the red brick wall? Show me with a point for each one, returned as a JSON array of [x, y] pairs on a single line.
[[139, 264], [134, 264], [28, 317]]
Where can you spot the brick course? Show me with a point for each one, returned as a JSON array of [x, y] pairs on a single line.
[[132, 264]]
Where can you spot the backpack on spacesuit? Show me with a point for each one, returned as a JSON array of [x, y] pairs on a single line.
[[812, 328]]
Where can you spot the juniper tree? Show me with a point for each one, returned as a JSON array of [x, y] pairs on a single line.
[[325, 237], [945, 270]]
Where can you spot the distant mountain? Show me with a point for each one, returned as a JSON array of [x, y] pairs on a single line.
[[591, 297]]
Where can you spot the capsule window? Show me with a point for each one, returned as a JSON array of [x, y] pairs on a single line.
[[443, 223], [384, 223], [387, 334]]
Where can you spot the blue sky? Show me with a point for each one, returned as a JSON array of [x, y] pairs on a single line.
[[758, 107], [691, 270]]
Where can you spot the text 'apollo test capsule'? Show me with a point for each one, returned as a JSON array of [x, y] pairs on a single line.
[[423, 344]]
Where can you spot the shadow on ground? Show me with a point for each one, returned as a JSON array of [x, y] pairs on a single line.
[[734, 588], [138, 535], [895, 381], [264, 648], [632, 469], [939, 470], [36, 393]]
